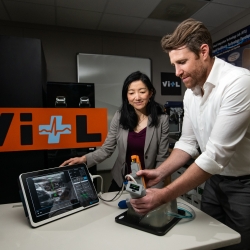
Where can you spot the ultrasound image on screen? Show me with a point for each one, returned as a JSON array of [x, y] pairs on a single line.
[[53, 193], [50, 188]]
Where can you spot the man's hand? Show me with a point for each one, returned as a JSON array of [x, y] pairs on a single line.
[[151, 176], [73, 161], [152, 200]]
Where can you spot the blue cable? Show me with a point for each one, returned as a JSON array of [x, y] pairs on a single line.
[[188, 214]]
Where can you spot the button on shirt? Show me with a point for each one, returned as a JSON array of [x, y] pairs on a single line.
[[218, 122]]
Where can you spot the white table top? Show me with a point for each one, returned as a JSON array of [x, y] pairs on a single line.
[[95, 228]]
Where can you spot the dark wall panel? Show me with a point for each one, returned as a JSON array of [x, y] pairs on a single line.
[[22, 72], [22, 83]]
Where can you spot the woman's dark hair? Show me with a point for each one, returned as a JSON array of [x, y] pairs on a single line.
[[129, 118]]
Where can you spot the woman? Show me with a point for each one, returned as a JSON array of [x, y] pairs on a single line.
[[139, 128]]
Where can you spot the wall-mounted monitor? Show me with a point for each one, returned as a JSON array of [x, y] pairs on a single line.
[[71, 95]]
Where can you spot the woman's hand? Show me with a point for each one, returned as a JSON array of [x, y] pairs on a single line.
[[75, 160]]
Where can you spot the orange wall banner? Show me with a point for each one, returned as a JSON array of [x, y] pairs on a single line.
[[51, 128]]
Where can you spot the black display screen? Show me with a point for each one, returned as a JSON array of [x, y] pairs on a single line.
[[134, 187], [52, 192], [70, 95]]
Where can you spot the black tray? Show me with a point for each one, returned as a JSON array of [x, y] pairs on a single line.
[[160, 231]]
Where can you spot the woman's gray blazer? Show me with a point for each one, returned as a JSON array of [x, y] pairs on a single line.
[[155, 149]]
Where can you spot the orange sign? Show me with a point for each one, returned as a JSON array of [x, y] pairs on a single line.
[[51, 128]]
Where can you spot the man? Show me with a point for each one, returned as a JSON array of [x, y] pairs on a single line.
[[216, 118]]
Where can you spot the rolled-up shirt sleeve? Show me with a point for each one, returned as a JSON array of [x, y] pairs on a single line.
[[226, 136]]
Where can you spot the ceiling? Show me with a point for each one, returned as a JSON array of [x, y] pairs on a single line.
[[141, 17]]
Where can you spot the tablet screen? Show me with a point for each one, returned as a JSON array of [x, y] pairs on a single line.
[[57, 192]]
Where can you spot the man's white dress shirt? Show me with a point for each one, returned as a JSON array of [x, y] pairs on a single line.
[[219, 121]]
